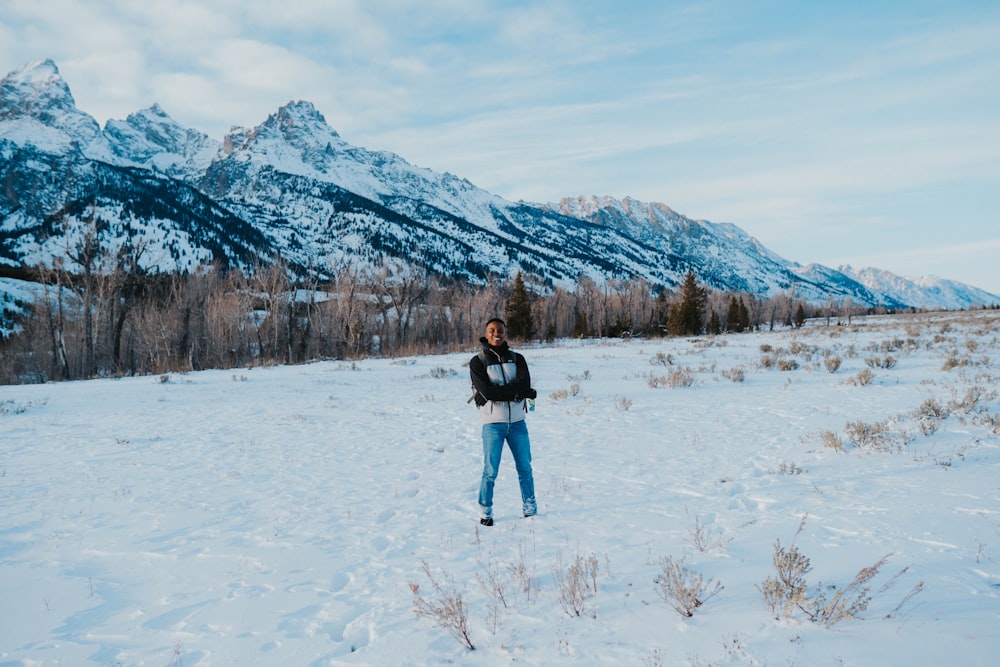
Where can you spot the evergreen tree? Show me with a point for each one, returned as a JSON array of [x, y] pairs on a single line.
[[685, 319], [800, 316], [517, 312], [714, 324], [744, 316], [733, 316]]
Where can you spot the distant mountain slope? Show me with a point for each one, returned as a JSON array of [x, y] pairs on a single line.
[[292, 187], [923, 292]]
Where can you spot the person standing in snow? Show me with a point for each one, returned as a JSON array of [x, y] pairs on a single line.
[[502, 387]]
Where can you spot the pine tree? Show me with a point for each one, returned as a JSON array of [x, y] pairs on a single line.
[[800, 316], [744, 316], [685, 319], [733, 316], [714, 324], [518, 311]]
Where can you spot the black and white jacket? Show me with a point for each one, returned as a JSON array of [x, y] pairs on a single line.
[[501, 382]]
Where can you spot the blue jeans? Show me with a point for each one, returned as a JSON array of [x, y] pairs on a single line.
[[516, 435]]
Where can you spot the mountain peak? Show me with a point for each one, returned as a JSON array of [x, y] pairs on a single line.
[[299, 119], [40, 71], [36, 86], [152, 138], [37, 91], [300, 110]]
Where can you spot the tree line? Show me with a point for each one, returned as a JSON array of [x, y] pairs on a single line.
[[98, 315]]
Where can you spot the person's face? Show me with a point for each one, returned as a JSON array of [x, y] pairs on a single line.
[[495, 333]]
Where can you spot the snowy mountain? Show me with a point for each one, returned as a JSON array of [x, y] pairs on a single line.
[[923, 292], [293, 187]]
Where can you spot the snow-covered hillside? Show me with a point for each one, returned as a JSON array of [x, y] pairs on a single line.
[[284, 515]]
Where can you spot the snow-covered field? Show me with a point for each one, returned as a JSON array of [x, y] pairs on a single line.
[[281, 516]]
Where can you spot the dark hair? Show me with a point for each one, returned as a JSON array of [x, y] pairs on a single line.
[[495, 319]]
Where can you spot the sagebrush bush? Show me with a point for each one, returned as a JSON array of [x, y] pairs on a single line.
[[705, 540], [788, 469], [679, 377], [955, 361], [576, 584], [864, 378], [832, 364], [682, 588], [976, 399], [885, 362], [787, 365], [874, 436], [446, 610], [929, 416], [786, 592], [831, 440], [735, 374], [661, 359]]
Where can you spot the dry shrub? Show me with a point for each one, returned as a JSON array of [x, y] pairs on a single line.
[[800, 348], [788, 592], [832, 364], [576, 584], [788, 469], [735, 374], [955, 361], [682, 588], [679, 377], [929, 416], [975, 400], [705, 540], [885, 362], [864, 378], [874, 436], [848, 602], [992, 422], [787, 365], [662, 359], [832, 440], [446, 610]]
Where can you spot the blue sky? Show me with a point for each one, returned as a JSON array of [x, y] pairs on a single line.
[[862, 133]]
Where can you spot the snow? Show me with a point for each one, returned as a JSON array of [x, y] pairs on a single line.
[[278, 516], [24, 132]]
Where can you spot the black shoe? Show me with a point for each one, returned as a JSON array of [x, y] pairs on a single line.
[[488, 521], [528, 516]]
